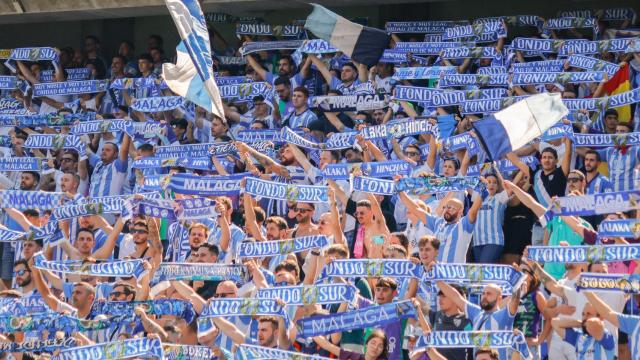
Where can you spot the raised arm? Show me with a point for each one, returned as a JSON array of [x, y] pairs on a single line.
[[300, 157], [188, 293], [18, 217], [377, 211], [225, 231], [230, 330], [451, 293], [566, 160], [412, 207], [526, 199], [327, 345], [124, 148], [472, 215], [52, 301], [602, 308], [250, 218], [338, 235], [256, 67], [107, 249], [322, 68]]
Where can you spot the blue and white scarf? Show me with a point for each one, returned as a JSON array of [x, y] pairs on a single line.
[[48, 345], [592, 64], [492, 93], [300, 295], [281, 247], [602, 14], [200, 272], [595, 204], [174, 307], [421, 27], [76, 210], [436, 184], [245, 92], [607, 140], [488, 106], [224, 307], [337, 141], [54, 141], [232, 80], [539, 66], [474, 273], [34, 54], [7, 235], [356, 102], [231, 60], [428, 48], [118, 268], [251, 352], [393, 56], [627, 228], [182, 151], [22, 200], [570, 23], [372, 316], [190, 352], [124, 349], [137, 83], [400, 128], [257, 46], [472, 53], [290, 192], [53, 120], [317, 46], [102, 126], [373, 185], [540, 45], [476, 339], [203, 163], [561, 78], [222, 18], [372, 268], [268, 30], [21, 164], [190, 184], [597, 47], [626, 283], [23, 305], [475, 30], [156, 104], [384, 169], [70, 87], [557, 131], [72, 74], [473, 79], [584, 254], [56, 322], [431, 72], [492, 70]]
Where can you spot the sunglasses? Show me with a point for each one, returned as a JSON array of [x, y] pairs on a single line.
[[411, 153], [574, 179], [291, 207], [139, 231], [22, 272], [302, 210], [118, 293]]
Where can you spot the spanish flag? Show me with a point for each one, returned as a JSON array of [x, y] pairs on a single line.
[[620, 83]]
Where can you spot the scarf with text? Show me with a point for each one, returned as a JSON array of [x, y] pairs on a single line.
[[251, 352], [123, 349], [289, 192], [173, 307], [300, 295], [190, 184], [116, 268], [200, 272], [594, 204], [584, 254], [281, 247], [384, 169], [373, 185], [436, 184], [625, 283], [627, 228], [372, 268], [70, 87]]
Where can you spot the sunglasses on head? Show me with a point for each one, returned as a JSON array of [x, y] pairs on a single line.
[[574, 179]]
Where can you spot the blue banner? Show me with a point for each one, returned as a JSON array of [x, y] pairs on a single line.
[[23, 200], [310, 294], [595, 204], [372, 268], [436, 184], [190, 184], [385, 169], [625, 283], [431, 72], [474, 79], [373, 185], [627, 228], [123, 349]]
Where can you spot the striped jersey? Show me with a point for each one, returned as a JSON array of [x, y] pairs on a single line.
[[276, 207], [588, 348], [237, 237], [488, 226], [178, 245], [337, 84], [621, 166], [599, 184], [454, 237], [297, 121], [495, 321], [108, 179], [630, 324]]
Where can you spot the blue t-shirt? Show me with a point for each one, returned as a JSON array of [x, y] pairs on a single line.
[[630, 324], [588, 348]]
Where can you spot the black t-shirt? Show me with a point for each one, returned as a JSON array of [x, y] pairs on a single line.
[[442, 322], [555, 183]]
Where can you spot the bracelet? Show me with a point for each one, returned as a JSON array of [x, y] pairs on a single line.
[[315, 252]]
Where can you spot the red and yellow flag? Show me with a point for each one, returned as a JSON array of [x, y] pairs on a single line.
[[620, 83]]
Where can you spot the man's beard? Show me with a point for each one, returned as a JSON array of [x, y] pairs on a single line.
[[449, 217], [25, 282], [584, 329], [488, 305], [286, 162]]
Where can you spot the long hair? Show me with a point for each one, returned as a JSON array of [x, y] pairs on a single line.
[[382, 336]]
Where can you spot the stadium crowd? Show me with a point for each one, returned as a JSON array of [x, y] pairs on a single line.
[[131, 214]]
